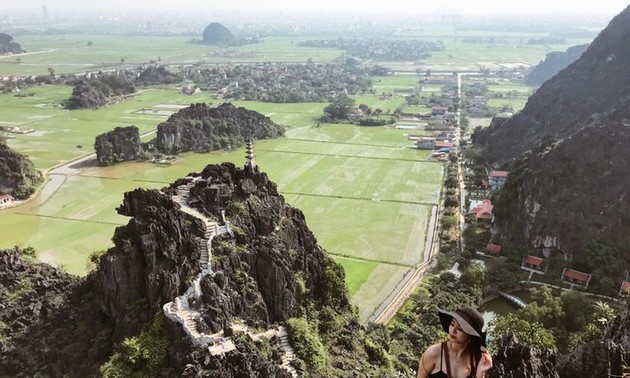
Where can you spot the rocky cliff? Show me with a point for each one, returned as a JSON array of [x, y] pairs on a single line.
[[204, 128], [566, 152], [8, 45], [18, 176], [604, 358], [553, 63], [118, 145], [573, 191], [591, 85], [268, 271]]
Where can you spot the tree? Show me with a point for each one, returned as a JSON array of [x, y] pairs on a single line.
[[51, 72], [529, 333], [545, 309], [340, 107]]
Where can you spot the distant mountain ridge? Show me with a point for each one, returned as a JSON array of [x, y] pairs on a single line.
[[554, 62]]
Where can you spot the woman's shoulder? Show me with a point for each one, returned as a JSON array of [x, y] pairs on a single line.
[[433, 351]]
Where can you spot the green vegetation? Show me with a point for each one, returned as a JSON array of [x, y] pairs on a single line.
[[307, 343], [140, 356]]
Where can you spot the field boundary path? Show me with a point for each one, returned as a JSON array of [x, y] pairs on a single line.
[[390, 306], [179, 309]]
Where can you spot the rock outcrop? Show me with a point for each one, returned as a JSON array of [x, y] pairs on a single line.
[[607, 357], [204, 128], [269, 270], [566, 152], [217, 34], [99, 91], [118, 145], [592, 85], [540, 197], [18, 176], [554, 62], [8, 45], [157, 76]]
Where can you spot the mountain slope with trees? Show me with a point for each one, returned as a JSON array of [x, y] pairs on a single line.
[[591, 85], [270, 271], [567, 151]]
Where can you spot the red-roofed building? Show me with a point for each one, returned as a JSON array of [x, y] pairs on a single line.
[[497, 179], [6, 198], [483, 211], [533, 263], [576, 277], [493, 249], [625, 288], [439, 144]]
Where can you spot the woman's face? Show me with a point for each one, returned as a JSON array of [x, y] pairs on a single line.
[[456, 333]]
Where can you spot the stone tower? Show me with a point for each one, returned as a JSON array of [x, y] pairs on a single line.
[[249, 155]]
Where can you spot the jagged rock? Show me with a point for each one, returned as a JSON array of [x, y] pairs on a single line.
[[514, 360], [203, 128], [540, 201], [118, 145], [563, 105], [270, 270], [567, 154], [18, 176], [607, 357]]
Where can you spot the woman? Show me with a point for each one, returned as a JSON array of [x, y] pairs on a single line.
[[464, 354]]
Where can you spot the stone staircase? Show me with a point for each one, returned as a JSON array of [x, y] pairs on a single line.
[[289, 354], [179, 309]]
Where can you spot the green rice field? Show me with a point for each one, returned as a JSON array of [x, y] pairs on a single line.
[[366, 193]]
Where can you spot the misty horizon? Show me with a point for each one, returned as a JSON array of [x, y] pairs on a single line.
[[324, 7]]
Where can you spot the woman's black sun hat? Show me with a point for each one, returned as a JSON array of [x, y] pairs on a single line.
[[470, 320]]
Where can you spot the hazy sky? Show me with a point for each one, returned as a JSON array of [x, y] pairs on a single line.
[[604, 7]]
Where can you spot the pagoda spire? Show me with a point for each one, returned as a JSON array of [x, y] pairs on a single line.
[[249, 155]]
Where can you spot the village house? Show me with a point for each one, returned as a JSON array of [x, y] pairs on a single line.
[[493, 249], [443, 146], [625, 288], [533, 264], [425, 143], [496, 179], [439, 110], [575, 277], [6, 199], [483, 211]]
